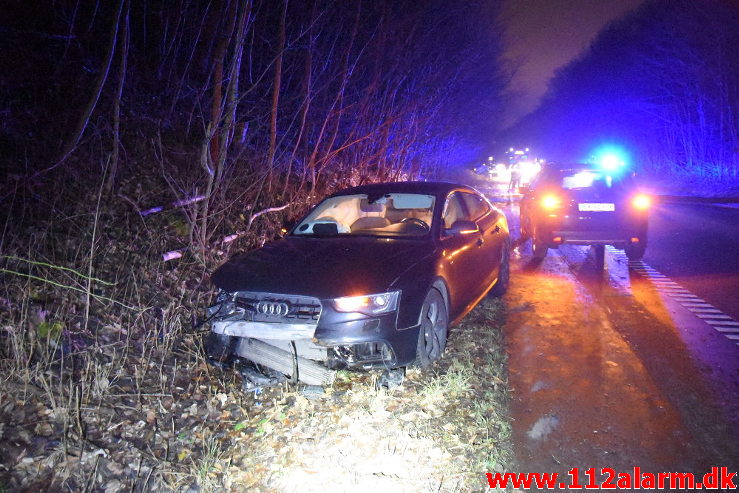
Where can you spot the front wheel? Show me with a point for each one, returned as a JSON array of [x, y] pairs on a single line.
[[433, 331]]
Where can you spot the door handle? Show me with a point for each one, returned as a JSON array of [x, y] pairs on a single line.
[[480, 241]]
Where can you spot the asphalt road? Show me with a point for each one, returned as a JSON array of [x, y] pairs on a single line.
[[620, 368], [697, 246]]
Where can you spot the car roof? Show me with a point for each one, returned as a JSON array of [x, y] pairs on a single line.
[[426, 187]]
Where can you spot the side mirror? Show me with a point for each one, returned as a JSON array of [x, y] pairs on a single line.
[[463, 227]]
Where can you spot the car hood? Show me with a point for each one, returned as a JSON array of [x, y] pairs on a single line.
[[322, 267]]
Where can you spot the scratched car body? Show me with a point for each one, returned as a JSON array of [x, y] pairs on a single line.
[[371, 277]]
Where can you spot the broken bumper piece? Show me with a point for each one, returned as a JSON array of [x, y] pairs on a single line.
[[291, 340]]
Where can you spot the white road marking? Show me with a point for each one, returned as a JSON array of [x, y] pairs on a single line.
[[704, 310], [727, 329], [724, 324], [714, 316]]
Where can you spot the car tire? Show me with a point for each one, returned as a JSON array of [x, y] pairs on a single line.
[[600, 256], [504, 276], [538, 248], [634, 252], [432, 332], [525, 232]]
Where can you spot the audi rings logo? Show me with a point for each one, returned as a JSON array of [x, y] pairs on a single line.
[[273, 308]]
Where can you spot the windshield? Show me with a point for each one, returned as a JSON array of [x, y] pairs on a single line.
[[390, 214], [587, 179]]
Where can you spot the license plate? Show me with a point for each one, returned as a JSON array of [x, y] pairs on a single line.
[[591, 207]]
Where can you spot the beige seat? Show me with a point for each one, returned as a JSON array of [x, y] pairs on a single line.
[[369, 223]]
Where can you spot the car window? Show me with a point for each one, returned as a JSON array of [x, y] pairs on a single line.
[[453, 210], [476, 205], [592, 179], [548, 176], [389, 214]]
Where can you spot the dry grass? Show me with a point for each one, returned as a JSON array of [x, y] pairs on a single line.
[[103, 385]]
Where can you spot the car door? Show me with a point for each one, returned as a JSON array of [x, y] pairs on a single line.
[[460, 256], [492, 236]]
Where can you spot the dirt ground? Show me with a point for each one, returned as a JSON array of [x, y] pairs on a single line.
[[131, 412]]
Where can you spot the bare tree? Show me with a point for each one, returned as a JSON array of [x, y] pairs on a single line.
[[122, 68], [95, 96]]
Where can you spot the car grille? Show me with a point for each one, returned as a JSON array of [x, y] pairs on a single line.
[[278, 308]]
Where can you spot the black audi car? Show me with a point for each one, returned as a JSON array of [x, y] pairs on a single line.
[[371, 277], [585, 204]]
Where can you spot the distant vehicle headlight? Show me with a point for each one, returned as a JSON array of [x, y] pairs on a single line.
[[371, 304], [641, 201]]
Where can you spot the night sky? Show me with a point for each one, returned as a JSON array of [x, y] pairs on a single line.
[[543, 35]]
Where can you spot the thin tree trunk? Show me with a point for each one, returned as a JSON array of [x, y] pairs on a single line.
[[307, 87], [217, 104], [215, 173], [117, 102], [276, 97], [313, 162], [85, 118]]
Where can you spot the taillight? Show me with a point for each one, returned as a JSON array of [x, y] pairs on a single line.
[[550, 202], [641, 201]]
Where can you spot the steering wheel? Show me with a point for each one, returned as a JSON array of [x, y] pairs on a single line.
[[415, 220]]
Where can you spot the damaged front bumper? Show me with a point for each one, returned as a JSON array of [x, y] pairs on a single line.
[[302, 337]]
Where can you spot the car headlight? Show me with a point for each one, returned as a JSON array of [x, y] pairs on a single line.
[[371, 304], [223, 296], [222, 305]]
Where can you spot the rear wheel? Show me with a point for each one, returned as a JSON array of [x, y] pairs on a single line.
[[525, 230], [600, 256], [539, 248], [433, 331], [504, 275], [634, 252]]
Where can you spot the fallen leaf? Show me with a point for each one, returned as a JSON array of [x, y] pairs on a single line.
[[183, 454]]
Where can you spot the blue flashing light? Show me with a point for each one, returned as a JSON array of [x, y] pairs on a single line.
[[611, 162], [611, 159]]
